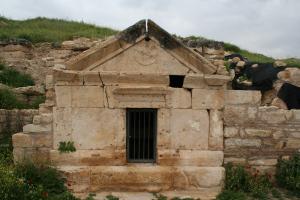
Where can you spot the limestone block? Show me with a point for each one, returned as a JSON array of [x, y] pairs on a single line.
[[215, 140], [32, 128], [67, 77], [158, 79], [63, 96], [234, 160], [207, 99], [237, 142], [231, 132], [194, 81], [190, 178], [109, 78], [296, 115], [43, 119], [278, 134], [18, 154], [235, 114], [274, 115], [163, 129], [295, 134], [189, 158], [216, 80], [179, 98], [92, 78], [189, 129], [49, 82], [131, 178], [236, 97], [257, 132], [293, 143], [264, 162], [89, 158], [97, 128], [62, 126], [136, 97], [21, 140], [87, 96]]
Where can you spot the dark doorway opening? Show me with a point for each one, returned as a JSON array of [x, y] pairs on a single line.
[[141, 127]]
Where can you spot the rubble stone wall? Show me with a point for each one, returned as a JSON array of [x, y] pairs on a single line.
[[258, 136], [12, 121]]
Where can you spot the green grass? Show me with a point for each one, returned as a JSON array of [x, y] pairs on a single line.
[[49, 30], [14, 78]]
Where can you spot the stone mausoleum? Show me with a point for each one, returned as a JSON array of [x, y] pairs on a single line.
[[144, 113]]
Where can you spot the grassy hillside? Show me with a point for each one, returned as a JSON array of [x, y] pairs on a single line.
[[49, 30], [56, 30]]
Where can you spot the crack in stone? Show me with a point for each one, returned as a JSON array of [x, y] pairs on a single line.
[[104, 88]]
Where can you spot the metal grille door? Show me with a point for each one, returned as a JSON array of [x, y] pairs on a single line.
[[141, 135]]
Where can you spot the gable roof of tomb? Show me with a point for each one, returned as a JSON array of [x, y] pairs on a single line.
[[142, 30]]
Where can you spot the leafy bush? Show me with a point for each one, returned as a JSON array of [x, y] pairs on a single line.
[[37, 101], [14, 78], [240, 180], [288, 174], [231, 195], [8, 100], [66, 147]]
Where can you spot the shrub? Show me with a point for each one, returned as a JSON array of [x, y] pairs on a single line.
[[8, 100], [66, 147], [14, 78], [37, 101], [240, 180], [288, 174], [231, 195], [231, 47]]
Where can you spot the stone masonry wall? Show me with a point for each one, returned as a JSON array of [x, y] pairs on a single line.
[[13, 120], [258, 136]]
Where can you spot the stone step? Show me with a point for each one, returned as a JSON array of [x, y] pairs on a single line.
[[118, 157], [143, 178], [45, 118], [204, 194], [34, 128]]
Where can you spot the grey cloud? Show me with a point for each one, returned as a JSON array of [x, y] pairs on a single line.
[[264, 26]]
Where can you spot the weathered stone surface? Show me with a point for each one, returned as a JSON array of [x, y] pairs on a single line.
[[293, 143], [189, 129], [189, 178], [237, 142], [87, 96], [236, 97], [92, 78], [67, 77], [194, 81], [136, 97], [296, 115], [215, 139], [163, 129], [97, 128], [179, 98], [131, 178], [63, 96], [143, 57], [21, 140], [207, 99], [235, 114], [234, 160], [49, 82], [257, 132], [216, 80], [32, 128], [62, 126], [274, 115], [190, 158], [43, 119], [231, 132], [263, 162], [89, 158]]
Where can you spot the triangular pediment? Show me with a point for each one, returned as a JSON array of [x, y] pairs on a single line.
[[142, 49]]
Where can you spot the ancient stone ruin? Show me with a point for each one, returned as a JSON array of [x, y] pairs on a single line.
[[146, 114]]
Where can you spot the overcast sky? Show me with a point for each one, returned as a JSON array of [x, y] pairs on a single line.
[[271, 27]]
